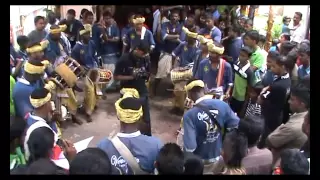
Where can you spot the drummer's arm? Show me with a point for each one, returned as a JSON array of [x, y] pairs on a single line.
[[176, 52]]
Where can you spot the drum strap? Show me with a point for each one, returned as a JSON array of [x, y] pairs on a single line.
[[127, 155], [220, 73]]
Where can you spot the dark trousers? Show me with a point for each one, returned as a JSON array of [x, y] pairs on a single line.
[[145, 126], [236, 105], [271, 122]]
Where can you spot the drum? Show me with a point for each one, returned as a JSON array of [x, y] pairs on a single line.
[[99, 77], [64, 112], [181, 74], [67, 73]]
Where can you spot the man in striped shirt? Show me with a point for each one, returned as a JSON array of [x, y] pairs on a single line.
[[253, 108]]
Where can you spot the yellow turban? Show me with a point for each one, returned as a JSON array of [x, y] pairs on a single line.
[[203, 40], [58, 30], [33, 69], [128, 116], [138, 20], [215, 49], [195, 83], [40, 102], [189, 33], [38, 48], [87, 29]]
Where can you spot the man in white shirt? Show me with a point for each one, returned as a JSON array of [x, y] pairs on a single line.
[[298, 30]]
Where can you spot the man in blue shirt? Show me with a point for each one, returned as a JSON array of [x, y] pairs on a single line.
[[304, 53], [235, 42], [203, 132], [144, 149], [211, 31]]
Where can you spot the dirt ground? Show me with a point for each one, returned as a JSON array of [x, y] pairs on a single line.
[[106, 124]]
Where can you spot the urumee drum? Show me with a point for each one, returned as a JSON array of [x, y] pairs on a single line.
[[181, 74], [67, 73], [99, 77]]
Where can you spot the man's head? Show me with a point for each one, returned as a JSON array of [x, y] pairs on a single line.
[[17, 129], [276, 61], [286, 20], [284, 37], [252, 126], [55, 32], [88, 17], [202, 18], [90, 161], [23, 41], [195, 89], [304, 53], [290, 60], [193, 165], [245, 54], [82, 12], [297, 18], [286, 47], [107, 18], [33, 53], [251, 38], [306, 124], [40, 99], [51, 16], [215, 51], [71, 14], [293, 162], [299, 99], [248, 25], [138, 21], [174, 16], [170, 160], [234, 149], [262, 41], [39, 23], [130, 18], [84, 33], [190, 23], [209, 21], [234, 31], [141, 50]]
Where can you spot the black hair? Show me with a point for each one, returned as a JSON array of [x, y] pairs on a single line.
[[258, 87], [275, 56], [19, 170], [286, 47], [130, 103], [249, 21], [40, 143], [262, 38], [87, 14], [71, 12], [22, 40], [247, 50], [170, 160], [236, 145], [253, 35], [193, 165], [174, 12], [51, 16], [39, 93], [142, 46], [90, 161], [107, 14], [44, 166], [286, 36], [236, 28], [285, 18], [290, 60], [37, 18], [130, 14], [304, 48], [191, 16], [17, 127], [302, 93], [82, 12], [294, 162], [299, 14], [252, 126]]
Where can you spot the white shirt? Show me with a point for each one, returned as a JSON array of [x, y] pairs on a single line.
[[156, 17], [298, 33]]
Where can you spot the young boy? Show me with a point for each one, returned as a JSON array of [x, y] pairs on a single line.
[[243, 79], [252, 107]]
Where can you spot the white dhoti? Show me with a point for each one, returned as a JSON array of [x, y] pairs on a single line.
[[164, 65]]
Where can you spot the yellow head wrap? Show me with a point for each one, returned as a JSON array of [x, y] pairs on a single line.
[[215, 49], [195, 83], [138, 20], [128, 116], [87, 29], [40, 102], [38, 48], [203, 40], [189, 33], [33, 69], [50, 86], [58, 30], [63, 27]]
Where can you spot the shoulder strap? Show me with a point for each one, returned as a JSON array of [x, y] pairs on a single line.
[[207, 111], [127, 155]]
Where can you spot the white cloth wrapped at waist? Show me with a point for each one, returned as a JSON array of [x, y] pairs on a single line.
[[64, 111]]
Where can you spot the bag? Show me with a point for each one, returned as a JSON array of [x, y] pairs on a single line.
[[127, 155]]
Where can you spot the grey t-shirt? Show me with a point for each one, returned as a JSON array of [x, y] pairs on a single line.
[[37, 36]]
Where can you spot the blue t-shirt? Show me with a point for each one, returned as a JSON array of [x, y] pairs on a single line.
[[186, 53], [234, 48], [85, 54], [104, 48], [214, 33], [132, 39], [216, 15], [209, 75], [144, 148], [202, 138], [303, 71]]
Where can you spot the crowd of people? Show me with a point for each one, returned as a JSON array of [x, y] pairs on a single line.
[[245, 109]]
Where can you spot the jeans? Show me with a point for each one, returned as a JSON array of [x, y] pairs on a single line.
[[108, 62]]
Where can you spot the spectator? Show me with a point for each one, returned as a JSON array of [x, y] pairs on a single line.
[[286, 47], [51, 19], [283, 37], [211, 31], [82, 12], [170, 160], [235, 42], [285, 26], [261, 44], [39, 33], [88, 18], [290, 63], [248, 25], [44, 166], [293, 163], [290, 135], [90, 161], [252, 107], [257, 161], [193, 165], [304, 54], [298, 31]]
